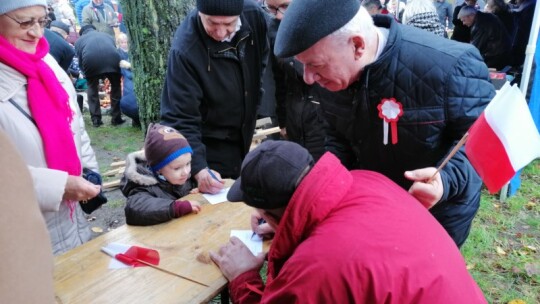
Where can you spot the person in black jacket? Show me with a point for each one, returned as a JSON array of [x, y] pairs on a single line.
[[298, 110], [461, 32], [156, 179], [213, 85], [412, 98], [489, 35], [99, 59], [60, 49]]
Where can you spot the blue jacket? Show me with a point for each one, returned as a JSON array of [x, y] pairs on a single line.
[[443, 87]]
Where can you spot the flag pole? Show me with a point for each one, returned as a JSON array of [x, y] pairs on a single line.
[[169, 272], [452, 153]]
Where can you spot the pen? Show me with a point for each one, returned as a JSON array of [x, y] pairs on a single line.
[[260, 221], [212, 174]]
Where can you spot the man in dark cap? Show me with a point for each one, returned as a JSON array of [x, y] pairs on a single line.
[[213, 85], [341, 237], [60, 49], [412, 98]]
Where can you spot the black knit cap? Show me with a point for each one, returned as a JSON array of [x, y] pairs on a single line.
[[308, 21], [220, 7], [162, 145], [61, 25], [270, 174]]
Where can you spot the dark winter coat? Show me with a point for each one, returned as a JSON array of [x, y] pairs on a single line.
[[443, 87], [489, 35], [297, 103], [461, 32], [60, 49], [212, 89], [149, 200], [97, 54]]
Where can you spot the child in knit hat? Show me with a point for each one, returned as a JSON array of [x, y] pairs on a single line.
[[155, 179]]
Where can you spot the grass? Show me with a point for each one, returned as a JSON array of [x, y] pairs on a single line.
[[503, 249]]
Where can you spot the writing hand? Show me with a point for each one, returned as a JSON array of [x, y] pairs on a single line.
[[207, 183], [260, 227], [234, 258], [427, 193]]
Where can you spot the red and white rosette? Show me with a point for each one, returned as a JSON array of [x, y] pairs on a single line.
[[390, 110]]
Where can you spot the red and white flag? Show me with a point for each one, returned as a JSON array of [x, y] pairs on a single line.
[[504, 138], [130, 256]]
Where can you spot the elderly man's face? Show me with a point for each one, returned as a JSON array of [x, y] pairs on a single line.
[[219, 27], [331, 65], [467, 20], [27, 39]]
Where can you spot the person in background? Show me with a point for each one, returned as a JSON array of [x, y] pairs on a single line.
[[523, 12], [489, 35], [213, 85], [461, 32], [502, 10], [39, 113], [79, 6], [373, 7], [128, 102], [99, 59], [101, 15], [60, 49], [297, 104], [340, 237], [444, 11], [156, 179], [423, 15], [27, 261], [411, 101]]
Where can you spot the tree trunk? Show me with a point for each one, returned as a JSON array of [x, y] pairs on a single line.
[[151, 25]]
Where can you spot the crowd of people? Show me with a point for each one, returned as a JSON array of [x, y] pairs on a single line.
[[369, 101]]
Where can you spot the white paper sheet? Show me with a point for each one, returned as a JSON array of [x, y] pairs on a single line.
[[217, 198], [254, 244]]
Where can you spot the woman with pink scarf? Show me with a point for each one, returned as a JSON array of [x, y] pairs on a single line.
[[39, 113]]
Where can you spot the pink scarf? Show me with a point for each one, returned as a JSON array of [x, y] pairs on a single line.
[[48, 103]]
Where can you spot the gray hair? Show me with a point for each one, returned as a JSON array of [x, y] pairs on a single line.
[[415, 7], [466, 11], [361, 23]]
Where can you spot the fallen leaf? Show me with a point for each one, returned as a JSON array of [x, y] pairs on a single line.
[[530, 205], [500, 251], [97, 229], [470, 266], [532, 269], [496, 206], [531, 248], [517, 301]]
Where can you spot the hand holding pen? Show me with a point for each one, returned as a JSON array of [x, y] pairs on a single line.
[[260, 226], [209, 181]]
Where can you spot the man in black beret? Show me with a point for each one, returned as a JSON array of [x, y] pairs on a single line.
[[60, 49], [213, 85], [340, 237], [408, 98]]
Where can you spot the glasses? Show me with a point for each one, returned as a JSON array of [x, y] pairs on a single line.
[[274, 10], [30, 23]]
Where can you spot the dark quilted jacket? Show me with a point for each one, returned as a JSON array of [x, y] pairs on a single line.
[[443, 87]]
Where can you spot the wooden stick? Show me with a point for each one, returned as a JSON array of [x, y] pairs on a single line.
[[452, 153], [169, 272]]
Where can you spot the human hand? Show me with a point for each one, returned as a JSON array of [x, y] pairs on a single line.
[[283, 133], [125, 64], [79, 189], [195, 206], [194, 191], [207, 184], [428, 192], [264, 230], [234, 258]]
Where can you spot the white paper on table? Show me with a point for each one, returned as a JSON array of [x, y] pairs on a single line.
[[217, 198], [113, 249], [254, 244]]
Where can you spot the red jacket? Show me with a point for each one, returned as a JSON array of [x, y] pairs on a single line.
[[357, 237]]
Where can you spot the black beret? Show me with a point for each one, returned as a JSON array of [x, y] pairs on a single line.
[[220, 7], [308, 21]]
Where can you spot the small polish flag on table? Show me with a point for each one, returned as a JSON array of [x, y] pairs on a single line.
[[503, 139]]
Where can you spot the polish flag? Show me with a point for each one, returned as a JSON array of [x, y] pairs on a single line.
[[504, 138], [130, 256]]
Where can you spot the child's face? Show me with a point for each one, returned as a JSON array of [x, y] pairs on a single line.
[[178, 171]]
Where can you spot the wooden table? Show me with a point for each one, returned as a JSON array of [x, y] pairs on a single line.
[[82, 274]]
